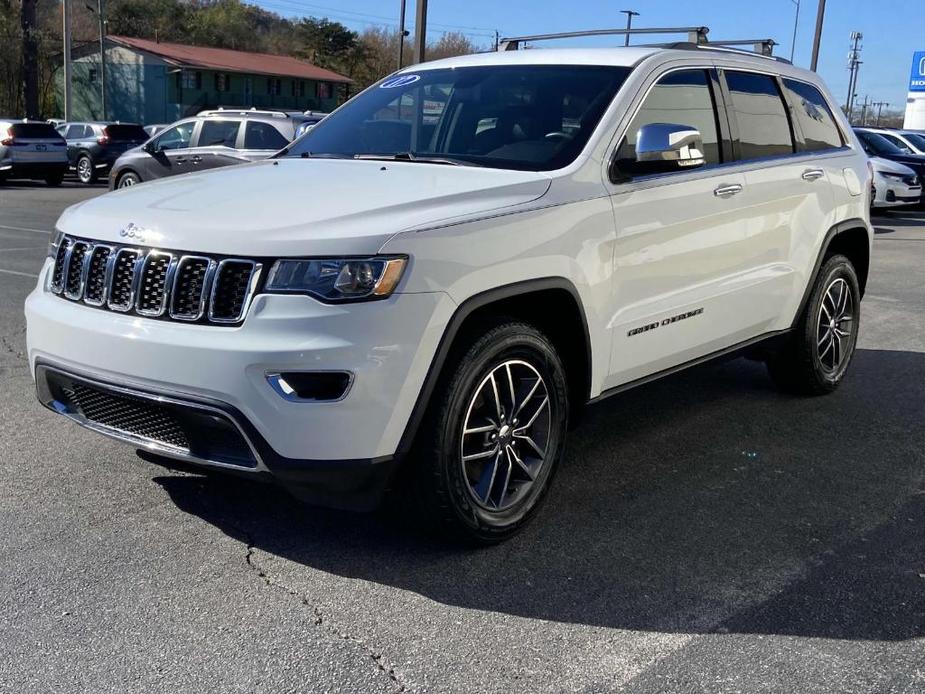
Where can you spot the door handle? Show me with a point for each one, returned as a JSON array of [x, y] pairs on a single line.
[[731, 189], [813, 174], [180, 160], [197, 159]]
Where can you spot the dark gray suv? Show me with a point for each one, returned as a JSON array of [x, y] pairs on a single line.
[[92, 148], [206, 141]]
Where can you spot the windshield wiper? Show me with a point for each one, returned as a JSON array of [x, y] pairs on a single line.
[[411, 156], [322, 155]]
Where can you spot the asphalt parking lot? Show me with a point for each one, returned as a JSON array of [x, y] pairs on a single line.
[[705, 534]]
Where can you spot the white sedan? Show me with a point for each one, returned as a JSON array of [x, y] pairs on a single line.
[[896, 185]]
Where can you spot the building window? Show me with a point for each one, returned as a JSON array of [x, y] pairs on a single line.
[[221, 82], [292, 88], [190, 79], [323, 90], [91, 74], [302, 88], [274, 86]]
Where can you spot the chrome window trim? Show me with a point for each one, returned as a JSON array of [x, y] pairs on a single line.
[[248, 295]]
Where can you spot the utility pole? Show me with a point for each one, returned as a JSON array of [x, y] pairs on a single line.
[[68, 103], [796, 21], [420, 30], [817, 37], [864, 111], [99, 12], [401, 34], [854, 64], [629, 24], [879, 105]]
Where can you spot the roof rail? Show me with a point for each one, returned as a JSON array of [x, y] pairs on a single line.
[[253, 111], [696, 39], [694, 35]]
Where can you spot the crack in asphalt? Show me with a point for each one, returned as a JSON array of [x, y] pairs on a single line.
[[379, 659]]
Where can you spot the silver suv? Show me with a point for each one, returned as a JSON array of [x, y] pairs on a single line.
[[209, 140], [31, 149]]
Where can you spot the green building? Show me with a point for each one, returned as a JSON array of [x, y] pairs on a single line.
[[153, 82]]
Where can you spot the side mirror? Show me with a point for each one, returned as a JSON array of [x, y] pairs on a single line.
[[150, 147], [666, 147]]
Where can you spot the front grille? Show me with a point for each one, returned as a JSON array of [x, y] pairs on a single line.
[[154, 283], [133, 416]]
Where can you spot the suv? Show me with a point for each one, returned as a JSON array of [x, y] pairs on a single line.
[[430, 293], [207, 141], [31, 149], [92, 148]]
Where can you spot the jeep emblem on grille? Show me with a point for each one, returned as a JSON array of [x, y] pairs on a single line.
[[135, 232]]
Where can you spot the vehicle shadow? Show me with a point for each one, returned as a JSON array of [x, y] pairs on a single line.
[[703, 494]]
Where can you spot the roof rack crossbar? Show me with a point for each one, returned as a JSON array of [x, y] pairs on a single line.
[[760, 46], [694, 34]]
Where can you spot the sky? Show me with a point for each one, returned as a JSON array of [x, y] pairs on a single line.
[[892, 29]]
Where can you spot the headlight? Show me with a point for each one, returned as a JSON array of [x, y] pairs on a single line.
[[893, 176], [337, 279]]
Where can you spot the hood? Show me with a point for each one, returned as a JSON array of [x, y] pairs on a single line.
[[915, 161], [291, 207], [882, 165]]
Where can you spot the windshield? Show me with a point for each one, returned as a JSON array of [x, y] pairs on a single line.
[[530, 117], [917, 140], [877, 144]]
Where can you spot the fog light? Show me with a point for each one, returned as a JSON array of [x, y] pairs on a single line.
[[311, 386]]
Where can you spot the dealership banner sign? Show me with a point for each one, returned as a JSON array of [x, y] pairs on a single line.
[[917, 78]]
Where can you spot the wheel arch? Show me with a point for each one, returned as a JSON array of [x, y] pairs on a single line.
[[552, 304], [850, 238]]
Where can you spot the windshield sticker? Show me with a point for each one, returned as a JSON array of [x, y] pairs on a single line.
[[400, 81]]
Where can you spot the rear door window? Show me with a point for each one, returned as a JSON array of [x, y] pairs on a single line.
[[219, 133], [758, 109], [259, 135], [814, 118]]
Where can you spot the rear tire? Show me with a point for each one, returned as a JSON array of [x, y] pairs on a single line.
[[816, 357], [86, 173], [494, 437]]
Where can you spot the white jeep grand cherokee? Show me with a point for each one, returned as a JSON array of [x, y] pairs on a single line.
[[442, 272]]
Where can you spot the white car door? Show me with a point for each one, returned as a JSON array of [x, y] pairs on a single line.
[[681, 258]]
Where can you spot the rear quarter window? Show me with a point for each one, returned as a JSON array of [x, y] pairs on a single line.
[[259, 135], [812, 114]]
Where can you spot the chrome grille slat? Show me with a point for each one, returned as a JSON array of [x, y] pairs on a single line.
[[74, 270], [155, 283]]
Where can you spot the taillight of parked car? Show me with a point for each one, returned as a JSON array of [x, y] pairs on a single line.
[[8, 139], [104, 140]]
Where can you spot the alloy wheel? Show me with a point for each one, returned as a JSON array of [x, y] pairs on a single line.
[[835, 326], [506, 435], [84, 170]]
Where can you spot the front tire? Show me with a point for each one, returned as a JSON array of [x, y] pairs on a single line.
[[128, 179], [491, 446], [86, 174], [816, 357]]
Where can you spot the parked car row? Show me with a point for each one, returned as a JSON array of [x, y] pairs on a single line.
[[130, 153]]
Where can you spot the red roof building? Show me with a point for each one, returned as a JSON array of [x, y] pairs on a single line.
[[154, 82]]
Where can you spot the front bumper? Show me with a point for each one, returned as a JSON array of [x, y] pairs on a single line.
[[387, 346]]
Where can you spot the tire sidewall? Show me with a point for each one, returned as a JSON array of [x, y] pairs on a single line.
[[836, 267], [128, 174], [518, 342], [91, 176]]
